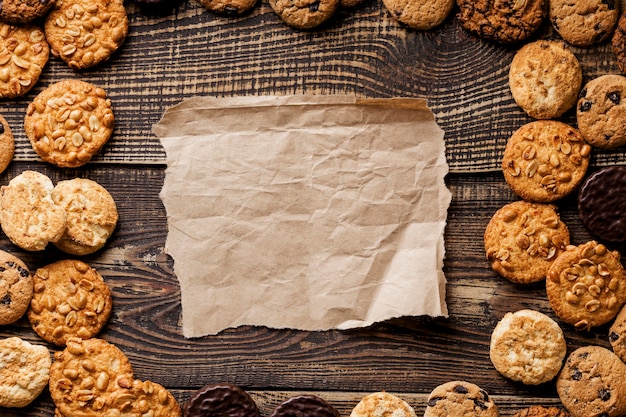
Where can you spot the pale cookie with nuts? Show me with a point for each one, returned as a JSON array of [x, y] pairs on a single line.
[[545, 160], [24, 371], [7, 144], [71, 300], [584, 22], [24, 53], [69, 122], [91, 215], [16, 288], [382, 404], [527, 346], [460, 399], [86, 377], [586, 285], [28, 216], [85, 33], [545, 78], [523, 238]]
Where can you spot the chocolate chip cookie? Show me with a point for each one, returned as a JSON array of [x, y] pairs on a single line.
[[7, 144], [584, 22], [420, 15], [16, 288], [460, 399], [304, 14], [22, 12], [228, 7]]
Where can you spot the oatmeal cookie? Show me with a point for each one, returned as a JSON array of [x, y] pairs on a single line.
[[228, 7], [69, 122], [85, 33], [16, 288], [220, 399], [24, 53], [527, 346], [304, 14], [601, 111], [7, 144], [420, 15], [460, 399], [28, 216], [545, 78], [382, 404], [584, 22], [502, 21], [545, 160], [22, 12], [24, 371], [586, 285]]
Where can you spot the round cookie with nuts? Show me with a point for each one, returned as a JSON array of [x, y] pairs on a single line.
[[523, 238], [7, 144], [584, 22], [146, 398], [420, 15], [305, 14], [545, 78], [24, 53], [22, 12], [586, 285], [85, 33], [527, 346], [16, 288], [460, 398], [91, 215], [71, 300], [545, 160], [69, 122], [382, 404]]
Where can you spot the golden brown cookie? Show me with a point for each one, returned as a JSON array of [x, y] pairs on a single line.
[[85, 33], [69, 122], [71, 300], [523, 238], [617, 335], [460, 399], [23, 54], [7, 144], [91, 215], [585, 285], [420, 15], [584, 22], [28, 216], [540, 411], [22, 12], [146, 398], [24, 371], [545, 160], [527, 346], [545, 78], [16, 288], [382, 404], [229, 7], [304, 14]]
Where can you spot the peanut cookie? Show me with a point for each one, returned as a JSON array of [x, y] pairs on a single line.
[[382, 404], [502, 21], [545, 78], [91, 215], [71, 300], [591, 383], [420, 15], [601, 111], [69, 122], [7, 144], [16, 288], [545, 160], [584, 22], [460, 399], [522, 239], [304, 14], [145, 398], [28, 216], [24, 371], [304, 405], [22, 12], [539, 411], [527, 346], [87, 377], [220, 399], [617, 335], [586, 285], [23, 54], [228, 7], [85, 33]]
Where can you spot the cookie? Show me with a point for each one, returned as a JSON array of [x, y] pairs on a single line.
[[591, 383], [523, 238], [585, 285], [91, 215], [24, 53], [16, 288], [146, 398], [584, 22], [228, 7], [85, 33], [22, 12], [505, 21], [87, 376], [304, 405], [617, 335], [220, 399], [460, 398], [545, 160], [28, 216], [527, 346], [540, 411], [601, 111], [305, 14], [24, 371], [7, 144], [382, 404], [420, 15], [618, 43], [545, 78], [69, 122], [602, 206]]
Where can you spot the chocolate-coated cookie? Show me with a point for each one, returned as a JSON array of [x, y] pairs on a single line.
[[222, 399], [305, 405]]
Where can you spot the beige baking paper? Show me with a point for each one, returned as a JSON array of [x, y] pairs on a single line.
[[304, 212]]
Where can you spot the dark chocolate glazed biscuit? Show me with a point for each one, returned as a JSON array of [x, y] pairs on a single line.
[[223, 400], [602, 206], [305, 406]]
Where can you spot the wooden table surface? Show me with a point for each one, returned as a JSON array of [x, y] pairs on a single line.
[[187, 51]]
